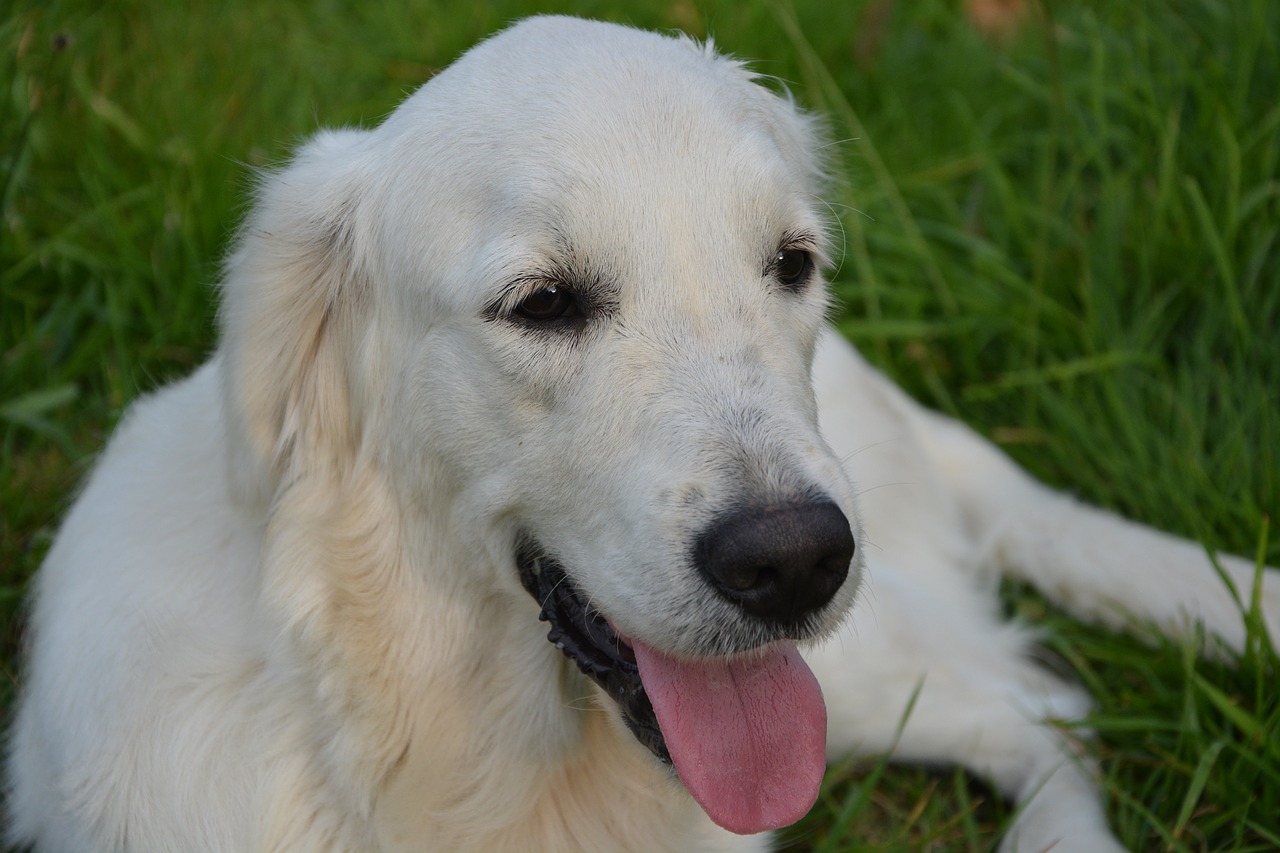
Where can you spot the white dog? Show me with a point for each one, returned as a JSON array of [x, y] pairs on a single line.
[[541, 345]]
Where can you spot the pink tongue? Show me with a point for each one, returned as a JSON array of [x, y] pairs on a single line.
[[747, 734]]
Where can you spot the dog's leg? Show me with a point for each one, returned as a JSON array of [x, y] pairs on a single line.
[[1098, 565], [933, 477], [925, 677], [944, 511]]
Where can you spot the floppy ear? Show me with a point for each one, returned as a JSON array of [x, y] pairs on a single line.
[[294, 303]]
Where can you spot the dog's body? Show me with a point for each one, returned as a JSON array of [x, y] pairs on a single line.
[[549, 328]]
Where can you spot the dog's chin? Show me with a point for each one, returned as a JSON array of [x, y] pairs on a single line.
[[587, 638]]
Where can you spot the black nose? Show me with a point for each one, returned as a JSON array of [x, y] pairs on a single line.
[[778, 563]]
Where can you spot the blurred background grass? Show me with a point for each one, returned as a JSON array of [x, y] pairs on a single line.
[[1062, 224]]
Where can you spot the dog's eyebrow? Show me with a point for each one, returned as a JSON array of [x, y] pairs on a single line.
[[596, 293], [810, 241]]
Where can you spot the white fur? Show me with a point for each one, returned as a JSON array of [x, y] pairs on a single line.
[[284, 614]]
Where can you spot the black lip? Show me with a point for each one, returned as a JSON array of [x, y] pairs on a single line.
[[586, 638]]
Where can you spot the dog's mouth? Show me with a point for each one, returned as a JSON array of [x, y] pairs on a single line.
[[587, 638], [745, 733]]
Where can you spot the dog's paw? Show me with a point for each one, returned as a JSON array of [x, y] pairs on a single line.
[[1091, 840], [1231, 623], [1269, 605]]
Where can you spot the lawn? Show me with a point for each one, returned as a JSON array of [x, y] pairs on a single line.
[[1066, 233]]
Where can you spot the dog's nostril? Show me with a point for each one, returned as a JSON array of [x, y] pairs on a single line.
[[742, 580], [778, 563]]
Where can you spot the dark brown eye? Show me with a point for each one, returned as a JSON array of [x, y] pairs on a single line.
[[553, 302], [792, 266]]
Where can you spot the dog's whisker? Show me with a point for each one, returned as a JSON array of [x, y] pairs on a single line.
[[837, 142], [861, 449], [869, 489], [844, 237]]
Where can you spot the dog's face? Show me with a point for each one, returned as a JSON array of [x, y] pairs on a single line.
[[585, 263], [609, 266]]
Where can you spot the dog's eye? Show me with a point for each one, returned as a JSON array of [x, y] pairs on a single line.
[[792, 266], [553, 302]]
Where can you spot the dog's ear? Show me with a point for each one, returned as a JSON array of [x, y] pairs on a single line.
[[295, 297]]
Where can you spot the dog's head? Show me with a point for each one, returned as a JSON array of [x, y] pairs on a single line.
[[568, 296]]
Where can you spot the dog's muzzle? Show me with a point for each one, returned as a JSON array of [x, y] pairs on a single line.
[[779, 565]]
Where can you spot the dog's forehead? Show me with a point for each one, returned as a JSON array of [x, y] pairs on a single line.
[[562, 132], [571, 98]]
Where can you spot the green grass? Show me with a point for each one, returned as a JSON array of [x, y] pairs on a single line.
[[1070, 240]]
